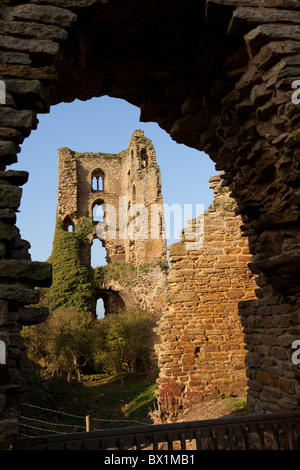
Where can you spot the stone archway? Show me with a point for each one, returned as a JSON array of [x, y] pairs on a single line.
[[217, 75]]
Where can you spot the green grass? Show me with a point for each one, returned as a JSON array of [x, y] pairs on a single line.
[[102, 397], [233, 402]]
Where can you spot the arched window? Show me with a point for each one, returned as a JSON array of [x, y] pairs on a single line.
[[98, 180], [98, 211], [100, 309], [68, 224]]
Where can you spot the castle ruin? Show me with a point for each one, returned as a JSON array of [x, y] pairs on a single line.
[[119, 195], [220, 76]]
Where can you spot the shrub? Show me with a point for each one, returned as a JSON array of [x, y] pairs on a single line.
[[70, 339], [63, 344], [126, 341]]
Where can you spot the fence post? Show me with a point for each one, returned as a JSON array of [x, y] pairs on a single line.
[[87, 423]]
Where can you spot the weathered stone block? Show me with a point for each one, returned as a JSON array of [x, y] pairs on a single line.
[[14, 177], [259, 36], [8, 152], [16, 58], [17, 119], [48, 14], [20, 250], [39, 273], [7, 231], [30, 30], [3, 312], [8, 215], [31, 46], [32, 316], [19, 293], [183, 297], [287, 385]]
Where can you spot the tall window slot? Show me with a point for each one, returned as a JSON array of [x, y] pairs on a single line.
[[98, 180], [98, 212], [98, 254], [144, 158], [100, 309]]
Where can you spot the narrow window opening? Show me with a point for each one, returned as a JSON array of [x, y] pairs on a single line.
[[98, 180], [68, 225], [144, 158], [98, 212], [100, 309], [134, 194]]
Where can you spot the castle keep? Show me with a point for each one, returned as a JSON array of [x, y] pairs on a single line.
[[219, 76], [119, 197], [130, 183]]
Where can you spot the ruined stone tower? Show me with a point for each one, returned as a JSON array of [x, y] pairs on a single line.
[[128, 183], [118, 197]]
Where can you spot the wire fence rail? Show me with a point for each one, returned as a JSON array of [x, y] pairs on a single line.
[[265, 432], [31, 426]]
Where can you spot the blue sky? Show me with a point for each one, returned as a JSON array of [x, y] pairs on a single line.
[[99, 125]]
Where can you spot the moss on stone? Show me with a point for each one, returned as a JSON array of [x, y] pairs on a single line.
[[73, 282]]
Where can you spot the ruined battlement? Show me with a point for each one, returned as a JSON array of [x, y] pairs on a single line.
[[118, 191]]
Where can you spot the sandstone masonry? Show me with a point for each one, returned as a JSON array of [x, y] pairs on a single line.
[[202, 351]]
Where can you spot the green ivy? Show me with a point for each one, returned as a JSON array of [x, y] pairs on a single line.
[[122, 272], [73, 282]]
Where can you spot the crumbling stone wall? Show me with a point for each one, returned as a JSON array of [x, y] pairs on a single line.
[[202, 350], [18, 276], [217, 75]]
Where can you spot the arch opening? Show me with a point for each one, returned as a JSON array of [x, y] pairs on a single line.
[[97, 180], [68, 225], [100, 309], [98, 253], [98, 212], [108, 302]]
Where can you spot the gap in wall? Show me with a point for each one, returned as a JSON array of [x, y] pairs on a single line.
[[98, 254], [100, 125]]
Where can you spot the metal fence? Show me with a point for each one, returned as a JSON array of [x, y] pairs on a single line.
[[269, 431]]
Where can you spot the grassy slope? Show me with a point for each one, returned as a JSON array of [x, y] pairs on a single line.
[[102, 397]]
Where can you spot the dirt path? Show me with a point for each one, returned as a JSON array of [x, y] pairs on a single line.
[[215, 408]]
